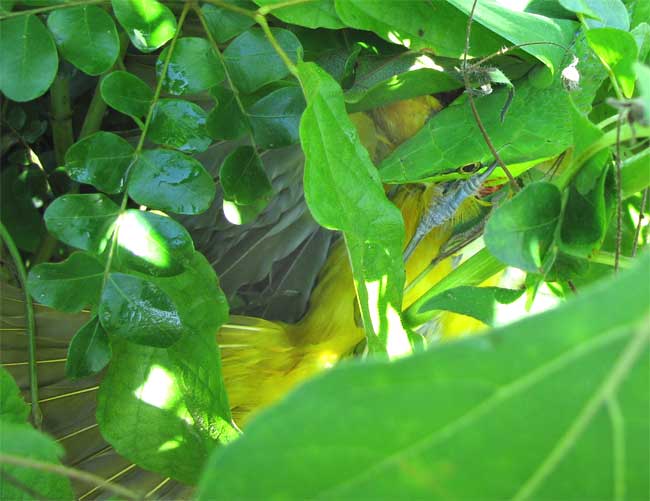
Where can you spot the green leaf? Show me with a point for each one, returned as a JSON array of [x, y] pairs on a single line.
[[532, 130], [617, 50], [518, 413], [126, 93], [437, 26], [86, 36], [82, 221], [171, 181], [193, 67], [253, 62], [149, 23], [243, 179], [319, 14], [520, 232], [635, 175], [69, 285], [179, 124], [600, 13], [275, 118], [243, 214], [29, 58], [13, 408], [139, 311], [225, 24], [643, 73], [101, 159], [522, 27], [165, 408], [153, 244], [476, 302], [588, 208], [89, 351], [226, 120], [343, 192], [19, 215], [20, 439]]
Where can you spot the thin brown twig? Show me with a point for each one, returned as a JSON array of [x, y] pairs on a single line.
[[472, 104], [637, 232]]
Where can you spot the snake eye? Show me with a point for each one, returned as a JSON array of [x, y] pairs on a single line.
[[469, 168]]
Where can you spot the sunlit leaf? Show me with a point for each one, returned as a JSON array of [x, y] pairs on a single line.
[[179, 124], [13, 409], [101, 159], [139, 311], [193, 67], [29, 58], [86, 36], [253, 62], [89, 351], [600, 13], [171, 181], [149, 23], [126, 93], [69, 285], [319, 14], [618, 50], [82, 221], [520, 231]]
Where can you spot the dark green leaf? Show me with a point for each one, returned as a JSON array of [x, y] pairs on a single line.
[[618, 50], [139, 311], [588, 208], [344, 192], [600, 13], [86, 36], [13, 408], [126, 93], [253, 62], [226, 120], [225, 24], [152, 244], [82, 221], [19, 215], [522, 27], [476, 302], [171, 181], [276, 117], [69, 285], [149, 23], [20, 439], [541, 409], [520, 232], [193, 67], [437, 26], [89, 351], [179, 124], [101, 159], [319, 14], [29, 58], [243, 178]]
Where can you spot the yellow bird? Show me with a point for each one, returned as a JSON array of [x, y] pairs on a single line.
[[263, 360]]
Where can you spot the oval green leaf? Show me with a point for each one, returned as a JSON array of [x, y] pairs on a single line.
[[139, 311], [126, 93], [243, 178], [149, 23], [618, 50], [193, 67], [319, 14], [89, 351], [275, 118], [87, 37], [152, 244], [171, 181], [179, 124], [82, 221], [225, 24], [69, 285], [29, 58], [101, 159], [521, 231], [253, 62]]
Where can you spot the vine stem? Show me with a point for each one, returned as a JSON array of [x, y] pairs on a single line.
[[88, 478], [40, 10], [261, 20], [472, 105], [37, 415]]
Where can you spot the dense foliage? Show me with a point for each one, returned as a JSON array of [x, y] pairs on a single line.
[[156, 158]]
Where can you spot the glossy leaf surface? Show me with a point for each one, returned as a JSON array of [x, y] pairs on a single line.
[[126, 93], [149, 23], [179, 124]]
